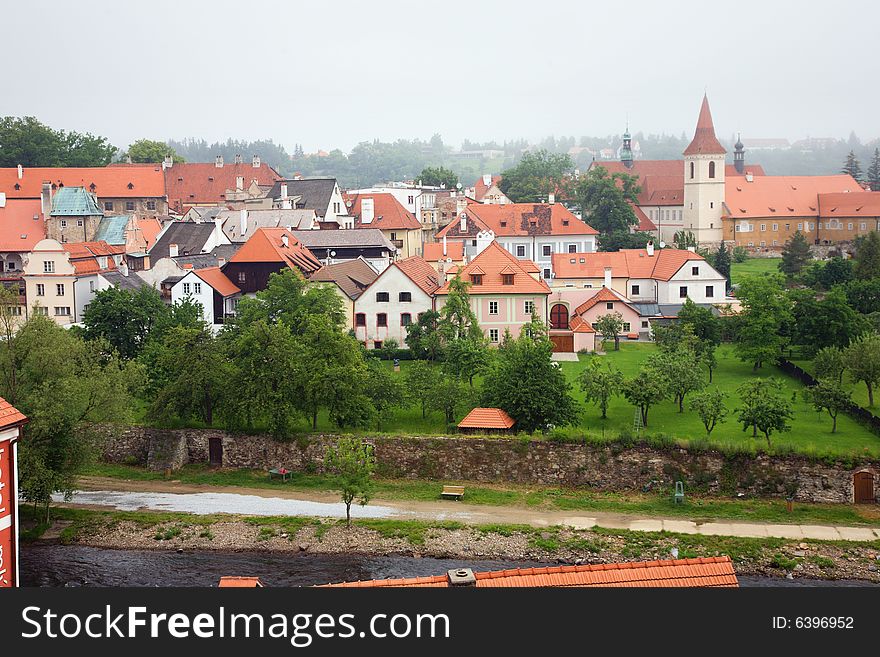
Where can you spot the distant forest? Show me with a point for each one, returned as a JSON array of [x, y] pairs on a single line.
[[374, 162]]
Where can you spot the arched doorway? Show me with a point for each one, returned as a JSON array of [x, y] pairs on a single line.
[[863, 488], [559, 317]]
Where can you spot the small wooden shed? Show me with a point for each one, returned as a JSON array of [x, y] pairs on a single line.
[[487, 420]]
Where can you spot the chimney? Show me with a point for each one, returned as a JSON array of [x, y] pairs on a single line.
[[123, 268], [461, 577], [20, 172], [487, 179], [242, 221], [462, 226], [168, 162], [551, 198], [692, 249], [367, 211], [218, 230], [238, 158], [46, 199], [218, 161], [607, 282], [750, 177], [256, 163], [460, 204], [649, 247], [172, 250], [285, 241], [239, 182], [444, 245]]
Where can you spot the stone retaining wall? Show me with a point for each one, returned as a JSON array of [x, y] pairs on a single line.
[[512, 460]]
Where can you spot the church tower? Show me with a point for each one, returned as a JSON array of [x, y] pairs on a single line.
[[626, 153], [704, 181], [739, 156]]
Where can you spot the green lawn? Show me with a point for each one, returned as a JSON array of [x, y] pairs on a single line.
[[753, 266], [859, 390]]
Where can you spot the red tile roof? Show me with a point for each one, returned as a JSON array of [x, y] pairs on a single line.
[[133, 181], [433, 251], [849, 204], [388, 213], [519, 219], [645, 224], [604, 294], [150, 229], [626, 263], [10, 416], [84, 256], [266, 245], [240, 583], [487, 418], [579, 325], [679, 573], [490, 262], [202, 183], [705, 142], [781, 196], [19, 231], [480, 188], [420, 273], [214, 277]]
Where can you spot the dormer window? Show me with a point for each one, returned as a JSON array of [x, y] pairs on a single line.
[[17, 186], [131, 185], [503, 224], [476, 279], [507, 279], [92, 187], [565, 222]]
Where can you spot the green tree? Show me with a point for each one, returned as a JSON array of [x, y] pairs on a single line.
[[868, 257], [795, 255], [623, 239], [421, 380], [873, 177], [765, 307], [457, 318], [609, 327], [764, 408], [740, 254], [721, 262], [825, 275], [384, 390], [644, 390], [606, 200], [389, 349], [830, 363], [525, 382], [681, 370], [600, 384], [352, 464], [830, 321], [28, 142], [684, 239], [852, 166], [862, 359], [147, 151], [864, 295], [828, 395], [537, 175], [448, 394], [423, 336], [709, 405], [438, 176], [704, 324], [124, 318]]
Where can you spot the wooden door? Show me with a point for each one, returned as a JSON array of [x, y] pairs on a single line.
[[863, 488], [215, 452], [563, 343]]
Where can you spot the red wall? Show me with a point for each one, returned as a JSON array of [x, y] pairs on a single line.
[[8, 539]]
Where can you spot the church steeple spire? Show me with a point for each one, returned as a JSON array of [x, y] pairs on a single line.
[[739, 155], [626, 154], [705, 142]]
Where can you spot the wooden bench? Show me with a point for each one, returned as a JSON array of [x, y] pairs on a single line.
[[452, 492], [278, 473]]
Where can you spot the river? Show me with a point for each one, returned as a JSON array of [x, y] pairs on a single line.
[[59, 565]]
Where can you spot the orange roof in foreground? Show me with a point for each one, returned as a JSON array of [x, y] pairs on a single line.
[[388, 213], [782, 196], [9, 415], [419, 272], [266, 245], [487, 418], [240, 583], [19, 231], [679, 573], [134, 181], [433, 251], [490, 262], [217, 280]]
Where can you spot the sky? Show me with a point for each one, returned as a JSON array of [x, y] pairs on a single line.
[[331, 73]]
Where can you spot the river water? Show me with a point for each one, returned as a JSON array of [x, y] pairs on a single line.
[[59, 565]]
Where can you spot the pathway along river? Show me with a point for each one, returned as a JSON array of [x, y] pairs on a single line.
[[76, 565]]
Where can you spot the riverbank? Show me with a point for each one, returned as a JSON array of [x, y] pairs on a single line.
[[772, 557]]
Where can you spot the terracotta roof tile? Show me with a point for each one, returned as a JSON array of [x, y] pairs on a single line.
[[420, 273], [626, 263], [487, 418], [84, 256], [782, 196], [9, 415], [150, 229], [202, 183], [388, 213], [433, 251], [266, 245], [135, 181], [490, 262], [604, 294], [352, 276], [851, 204], [214, 277], [705, 141], [19, 231], [519, 219], [240, 582], [480, 187]]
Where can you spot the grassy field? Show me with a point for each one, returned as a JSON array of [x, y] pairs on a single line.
[[859, 390], [753, 266]]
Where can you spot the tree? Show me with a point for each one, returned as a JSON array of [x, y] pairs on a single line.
[[868, 257], [423, 336], [525, 382], [645, 389], [537, 175], [721, 262], [457, 318], [825, 275], [421, 379], [709, 405], [609, 327], [623, 239], [384, 390], [606, 201], [147, 151], [862, 359], [438, 177], [389, 349], [873, 177], [600, 384], [352, 463], [467, 357], [681, 370], [830, 363], [795, 255], [740, 254], [864, 295], [765, 307], [28, 142], [828, 395], [704, 325], [764, 408], [684, 239], [852, 166], [124, 318], [448, 394], [830, 321]]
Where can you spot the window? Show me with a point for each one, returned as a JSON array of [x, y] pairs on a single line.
[[393, 237], [695, 271], [41, 290], [48, 267], [520, 251], [635, 290], [79, 223], [710, 291], [336, 207], [102, 262], [493, 335], [91, 286], [377, 344], [186, 288], [493, 307], [59, 289], [242, 277], [682, 292], [477, 279], [559, 317], [763, 243], [644, 323], [529, 307], [13, 310], [382, 319], [711, 169], [129, 205], [627, 327], [800, 226], [507, 279], [40, 310], [763, 227], [849, 226], [775, 226], [405, 319], [863, 226], [711, 204], [151, 205], [197, 288], [547, 249], [62, 311], [360, 319], [409, 200], [473, 242], [692, 170], [108, 205], [404, 297], [572, 248], [382, 297], [64, 223], [546, 272]]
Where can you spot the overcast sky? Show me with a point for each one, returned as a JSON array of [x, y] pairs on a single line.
[[329, 74]]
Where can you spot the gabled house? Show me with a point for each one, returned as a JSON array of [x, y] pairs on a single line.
[[332, 246], [217, 295], [319, 194], [204, 183], [21, 228], [181, 238], [394, 301], [348, 279], [75, 215], [240, 225], [486, 190], [268, 251], [504, 291], [382, 211], [445, 257]]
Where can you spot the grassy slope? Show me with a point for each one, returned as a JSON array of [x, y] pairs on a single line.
[[753, 266]]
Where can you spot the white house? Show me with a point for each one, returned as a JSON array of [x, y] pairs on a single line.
[[209, 287], [394, 301]]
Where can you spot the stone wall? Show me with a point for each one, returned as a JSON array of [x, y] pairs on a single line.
[[512, 460]]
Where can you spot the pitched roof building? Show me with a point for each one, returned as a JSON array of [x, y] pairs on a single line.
[[486, 420], [382, 211], [206, 183], [268, 251]]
